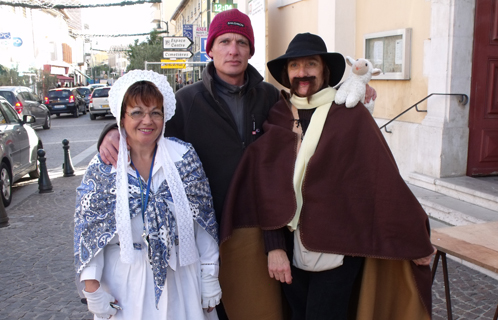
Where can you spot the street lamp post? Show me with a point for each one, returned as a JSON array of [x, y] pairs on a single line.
[[158, 26]]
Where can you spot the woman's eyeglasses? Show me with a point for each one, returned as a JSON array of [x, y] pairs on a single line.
[[139, 115]]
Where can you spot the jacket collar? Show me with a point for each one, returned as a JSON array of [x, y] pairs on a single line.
[[252, 75]]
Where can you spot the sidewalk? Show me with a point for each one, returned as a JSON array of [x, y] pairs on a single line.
[[37, 274]]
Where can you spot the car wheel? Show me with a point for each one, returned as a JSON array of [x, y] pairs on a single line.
[[93, 116], [84, 109], [57, 115], [6, 177], [76, 112], [48, 122]]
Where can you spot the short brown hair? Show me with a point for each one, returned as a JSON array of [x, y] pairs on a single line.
[[145, 91]]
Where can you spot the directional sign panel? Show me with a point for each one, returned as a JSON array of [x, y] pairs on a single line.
[[177, 54], [173, 64], [205, 57], [176, 42]]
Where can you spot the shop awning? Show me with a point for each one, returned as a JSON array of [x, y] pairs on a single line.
[[64, 78], [84, 75]]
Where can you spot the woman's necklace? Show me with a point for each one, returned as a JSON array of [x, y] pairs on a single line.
[[145, 201]]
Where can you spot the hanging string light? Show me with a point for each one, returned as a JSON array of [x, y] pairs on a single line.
[[70, 4], [86, 35]]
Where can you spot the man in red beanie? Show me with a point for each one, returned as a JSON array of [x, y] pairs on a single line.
[[220, 115]]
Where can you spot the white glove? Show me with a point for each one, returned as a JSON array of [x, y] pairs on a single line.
[[210, 290], [99, 303]]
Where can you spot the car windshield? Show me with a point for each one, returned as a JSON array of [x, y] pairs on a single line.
[[59, 94], [9, 96], [99, 93], [83, 91]]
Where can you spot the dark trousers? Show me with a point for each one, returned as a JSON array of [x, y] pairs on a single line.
[[323, 295]]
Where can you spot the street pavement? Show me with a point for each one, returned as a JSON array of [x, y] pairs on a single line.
[[37, 274]]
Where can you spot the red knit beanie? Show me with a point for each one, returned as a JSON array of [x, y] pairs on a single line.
[[230, 21]]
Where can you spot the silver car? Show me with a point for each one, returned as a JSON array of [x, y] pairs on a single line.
[[99, 102], [26, 103], [19, 144]]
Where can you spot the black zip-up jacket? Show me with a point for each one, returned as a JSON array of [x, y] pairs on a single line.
[[204, 120]]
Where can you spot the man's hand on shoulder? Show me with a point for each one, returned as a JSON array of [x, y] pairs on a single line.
[[109, 147], [370, 94]]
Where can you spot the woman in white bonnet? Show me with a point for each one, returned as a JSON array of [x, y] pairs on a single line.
[[145, 235]]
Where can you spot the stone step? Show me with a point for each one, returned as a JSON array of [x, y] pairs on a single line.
[[451, 211], [482, 191]]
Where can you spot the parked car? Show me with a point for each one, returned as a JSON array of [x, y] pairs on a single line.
[[65, 100], [85, 92], [26, 103], [99, 102], [19, 145]]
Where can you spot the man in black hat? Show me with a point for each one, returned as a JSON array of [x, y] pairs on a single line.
[[322, 184]]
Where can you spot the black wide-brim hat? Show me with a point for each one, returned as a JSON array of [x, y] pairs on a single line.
[[305, 45]]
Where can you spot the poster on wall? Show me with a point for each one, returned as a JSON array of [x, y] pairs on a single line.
[[256, 12]]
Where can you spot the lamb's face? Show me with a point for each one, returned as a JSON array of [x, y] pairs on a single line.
[[361, 67]]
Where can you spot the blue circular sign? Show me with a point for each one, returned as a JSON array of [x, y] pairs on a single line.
[[17, 41]]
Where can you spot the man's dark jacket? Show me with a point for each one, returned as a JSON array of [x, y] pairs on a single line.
[[205, 121]]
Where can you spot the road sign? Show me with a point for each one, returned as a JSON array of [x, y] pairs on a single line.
[[176, 42], [205, 57], [173, 64], [177, 54], [203, 44], [188, 31], [17, 42]]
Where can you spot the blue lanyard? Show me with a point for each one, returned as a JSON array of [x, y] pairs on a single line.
[[144, 202]]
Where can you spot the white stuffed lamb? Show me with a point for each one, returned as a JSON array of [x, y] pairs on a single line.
[[353, 89]]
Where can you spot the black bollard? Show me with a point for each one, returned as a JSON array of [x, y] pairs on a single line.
[[44, 184], [4, 219], [67, 166]]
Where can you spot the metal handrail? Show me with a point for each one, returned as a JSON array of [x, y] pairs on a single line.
[[463, 101]]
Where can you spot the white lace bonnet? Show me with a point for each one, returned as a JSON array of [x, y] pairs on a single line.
[[183, 214]]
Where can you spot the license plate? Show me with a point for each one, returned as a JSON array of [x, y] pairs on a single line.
[[105, 106], [59, 106]]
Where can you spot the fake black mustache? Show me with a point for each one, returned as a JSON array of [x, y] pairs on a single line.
[[295, 81], [295, 86]]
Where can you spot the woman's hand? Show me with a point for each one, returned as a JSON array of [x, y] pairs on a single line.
[[109, 147], [99, 301], [210, 291], [279, 266], [426, 260]]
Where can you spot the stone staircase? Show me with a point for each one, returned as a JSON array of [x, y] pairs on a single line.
[[457, 201]]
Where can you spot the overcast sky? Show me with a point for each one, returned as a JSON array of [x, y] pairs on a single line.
[[118, 20]]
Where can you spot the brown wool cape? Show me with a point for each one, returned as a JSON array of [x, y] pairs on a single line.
[[355, 203]]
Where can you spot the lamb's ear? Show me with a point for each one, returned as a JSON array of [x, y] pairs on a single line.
[[376, 72], [349, 60]]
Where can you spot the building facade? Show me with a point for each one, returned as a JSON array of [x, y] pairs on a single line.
[[440, 50]]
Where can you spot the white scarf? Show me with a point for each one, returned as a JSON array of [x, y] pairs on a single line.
[[322, 101]]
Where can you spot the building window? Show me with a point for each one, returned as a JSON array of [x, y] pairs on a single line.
[[53, 51]]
